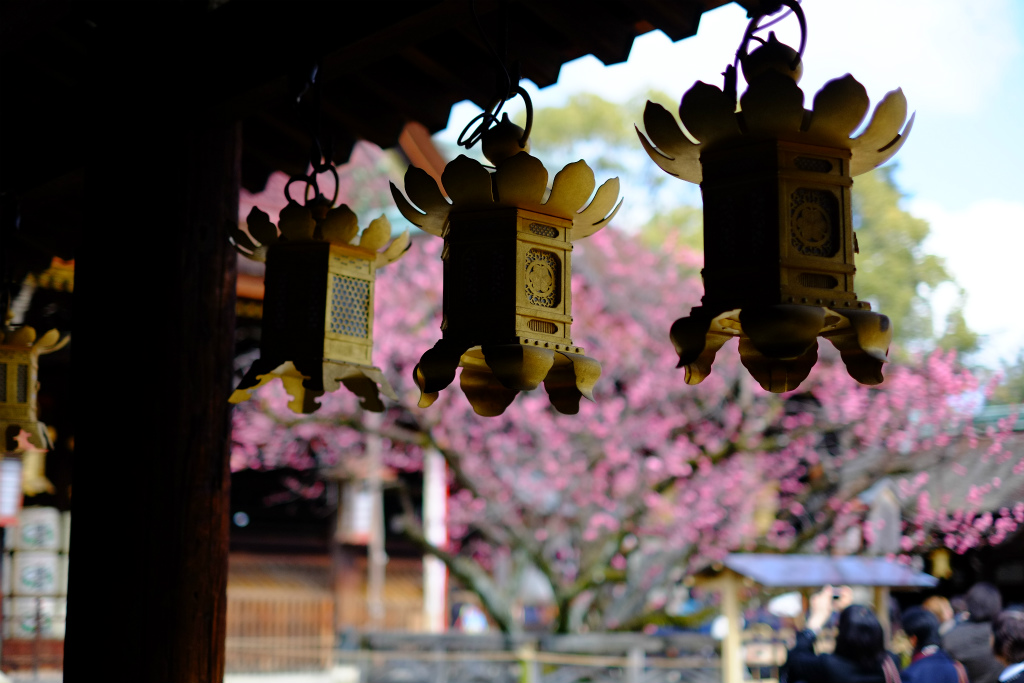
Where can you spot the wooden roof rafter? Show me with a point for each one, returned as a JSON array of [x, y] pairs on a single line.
[[382, 65]]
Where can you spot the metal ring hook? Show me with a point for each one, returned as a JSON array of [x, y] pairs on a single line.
[[529, 115], [487, 118], [337, 183], [310, 181]]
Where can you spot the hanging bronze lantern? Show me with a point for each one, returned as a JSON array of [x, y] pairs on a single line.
[[317, 329], [778, 231], [19, 382], [23, 433], [508, 243]]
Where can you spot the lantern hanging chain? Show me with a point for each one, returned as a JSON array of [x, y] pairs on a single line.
[[310, 94], [793, 7], [483, 121], [778, 19]]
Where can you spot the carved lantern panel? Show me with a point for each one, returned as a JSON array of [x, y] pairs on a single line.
[[519, 257], [780, 226]]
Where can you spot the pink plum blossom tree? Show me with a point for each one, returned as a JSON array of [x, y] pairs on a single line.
[[613, 506]]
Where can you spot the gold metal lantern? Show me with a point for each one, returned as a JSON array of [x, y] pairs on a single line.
[[317, 330], [508, 242], [778, 232], [23, 433]]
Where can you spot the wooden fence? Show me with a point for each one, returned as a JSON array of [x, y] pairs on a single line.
[[279, 631], [496, 658], [528, 666], [401, 600], [289, 633]]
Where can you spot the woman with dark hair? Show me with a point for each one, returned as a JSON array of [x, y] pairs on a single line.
[[1008, 645], [931, 664], [859, 657], [970, 642]]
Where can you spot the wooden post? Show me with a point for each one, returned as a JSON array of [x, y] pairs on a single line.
[[376, 556], [155, 294], [732, 662], [527, 654], [882, 611], [635, 666], [342, 566], [435, 574]]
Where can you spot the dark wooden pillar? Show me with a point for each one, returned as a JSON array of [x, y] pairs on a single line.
[[155, 297]]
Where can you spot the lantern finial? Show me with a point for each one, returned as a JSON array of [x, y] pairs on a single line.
[[773, 56], [779, 243], [504, 140]]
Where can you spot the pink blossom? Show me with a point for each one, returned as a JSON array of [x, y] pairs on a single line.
[[670, 467]]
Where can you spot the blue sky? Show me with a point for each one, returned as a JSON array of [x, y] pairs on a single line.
[[961, 66]]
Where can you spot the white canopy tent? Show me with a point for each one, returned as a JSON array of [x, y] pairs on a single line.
[[799, 572]]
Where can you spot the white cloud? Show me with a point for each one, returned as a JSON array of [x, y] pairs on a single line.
[[983, 246], [949, 56]]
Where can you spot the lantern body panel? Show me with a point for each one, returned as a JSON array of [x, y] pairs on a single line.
[[294, 301], [507, 279], [778, 226], [348, 336], [318, 303], [19, 369], [19, 381]]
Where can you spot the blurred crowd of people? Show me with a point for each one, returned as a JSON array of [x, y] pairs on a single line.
[[969, 640]]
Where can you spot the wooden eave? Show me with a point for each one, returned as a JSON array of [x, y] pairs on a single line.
[[383, 66]]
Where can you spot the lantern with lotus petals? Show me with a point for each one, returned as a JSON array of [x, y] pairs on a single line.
[[508, 241], [778, 230], [317, 328], [19, 371], [26, 439]]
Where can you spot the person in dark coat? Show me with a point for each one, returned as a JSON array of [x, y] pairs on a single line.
[[859, 657], [1008, 645], [930, 663], [970, 642]]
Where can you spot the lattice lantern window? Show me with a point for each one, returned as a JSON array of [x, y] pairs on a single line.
[[778, 232], [317, 327], [508, 272]]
